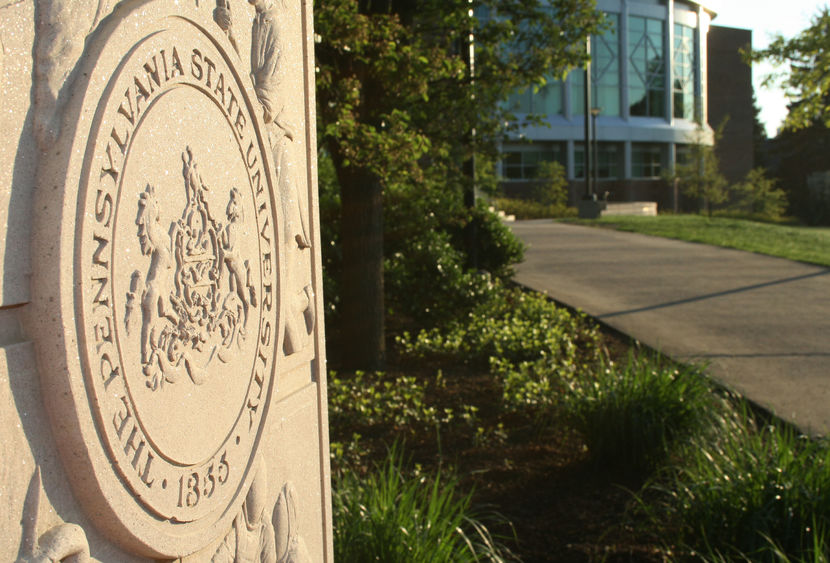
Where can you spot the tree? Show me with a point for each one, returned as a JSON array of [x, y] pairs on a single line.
[[699, 175], [807, 56], [760, 196], [551, 187], [397, 102]]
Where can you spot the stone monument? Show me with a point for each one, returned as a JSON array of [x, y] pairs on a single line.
[[162, 369]]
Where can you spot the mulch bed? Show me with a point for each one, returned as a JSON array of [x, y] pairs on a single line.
[[561, 507]]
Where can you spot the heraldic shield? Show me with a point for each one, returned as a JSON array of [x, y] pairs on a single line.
[[196, 294]]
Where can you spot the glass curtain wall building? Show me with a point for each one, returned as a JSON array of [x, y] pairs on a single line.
[[648, 77]]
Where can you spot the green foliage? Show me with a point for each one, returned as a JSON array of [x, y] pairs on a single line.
[[807, 55], [329, 205], [760, 196], [426, 280], [488, 181], [700, 176], [385, 70], [527, 209], [761, 492], [551, 188], [632, 415], [532, 387], [496, 247], [360, 400], [397, 518], [514, 326], [532, 346], [428, 271]]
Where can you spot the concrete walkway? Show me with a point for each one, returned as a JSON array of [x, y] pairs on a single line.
[[762, 324]]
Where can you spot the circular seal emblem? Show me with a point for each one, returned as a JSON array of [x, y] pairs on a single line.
[[160, 241]]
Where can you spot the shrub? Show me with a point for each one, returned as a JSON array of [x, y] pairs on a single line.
[[760, 196], [497, 249], [761, 493], [513, 326], [387, 516], [361, 400], [631, 415], [551, 188], [531, 345], [427, 280]]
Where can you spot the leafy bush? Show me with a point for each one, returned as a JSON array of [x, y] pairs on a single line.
[[497, 249], [427, 280], [387, 516], [513, 326], [551, 188], [361, 400], [631, 415], [760, 196], [332, 255], [531, 345], [429, 275], [763, 493], [532, 387]]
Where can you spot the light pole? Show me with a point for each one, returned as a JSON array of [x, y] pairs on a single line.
[[589, 192], [594, 114]]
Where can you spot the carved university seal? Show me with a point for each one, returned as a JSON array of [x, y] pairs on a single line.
[[162, 238]]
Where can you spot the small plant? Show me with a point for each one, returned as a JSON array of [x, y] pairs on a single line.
[[551, 187], [632, 415], [427, 280], [367, 409], [760, 196], [699, 174], [376, 399], [393, 517], [514, 326]]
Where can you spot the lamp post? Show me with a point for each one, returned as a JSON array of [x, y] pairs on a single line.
[[589, 192], [594, 114]]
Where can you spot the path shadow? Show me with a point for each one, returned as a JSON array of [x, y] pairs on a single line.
[[714, 295]]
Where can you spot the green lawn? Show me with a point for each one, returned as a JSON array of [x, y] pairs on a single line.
[[806, 244]]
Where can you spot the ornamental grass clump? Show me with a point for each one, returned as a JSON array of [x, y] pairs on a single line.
[[761, 494], [391, 517], [632, 415]]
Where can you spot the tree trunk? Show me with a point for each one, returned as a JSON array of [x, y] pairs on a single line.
[[362, 304]]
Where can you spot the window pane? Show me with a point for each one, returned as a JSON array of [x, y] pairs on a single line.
[[605, 73], [549, 99], [683, 72], [522, 162], [646, 69], [608, 160], [646, 160]]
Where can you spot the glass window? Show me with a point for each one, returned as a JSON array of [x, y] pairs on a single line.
[[521, 162], [683, 73], [647, 160], [646, 69], [545, 99], [605, 73], [682, 155], [609, 160]]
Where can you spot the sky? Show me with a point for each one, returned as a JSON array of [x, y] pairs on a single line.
[[766, 18]]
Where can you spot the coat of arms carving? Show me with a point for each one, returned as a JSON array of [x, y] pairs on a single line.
[[195, 297]]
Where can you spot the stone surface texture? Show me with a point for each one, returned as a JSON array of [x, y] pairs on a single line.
[[162, 369]]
